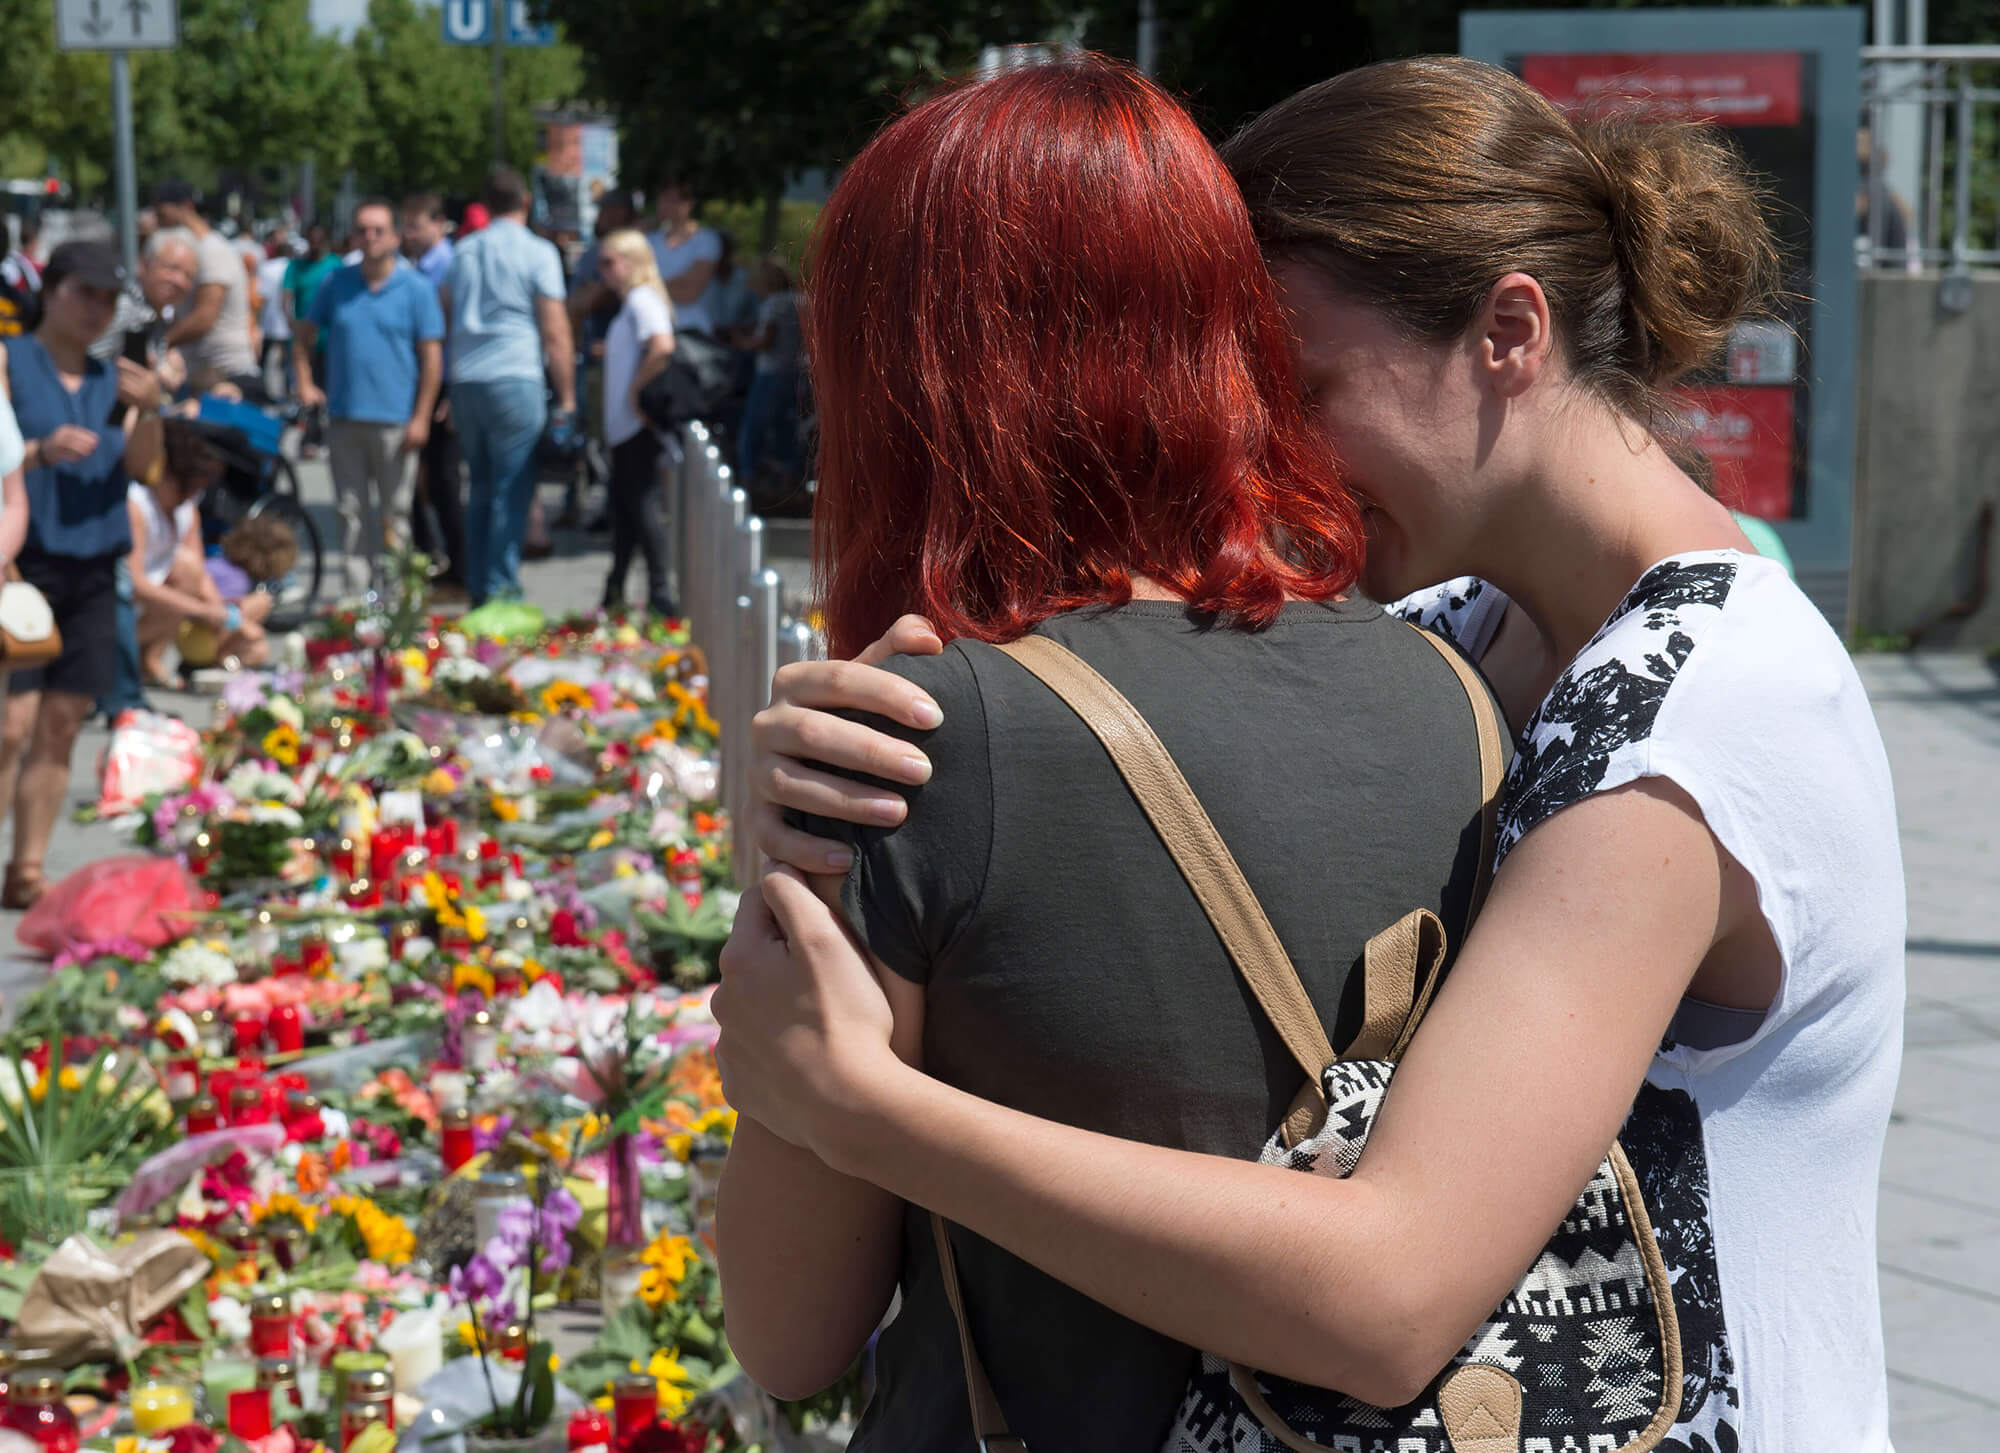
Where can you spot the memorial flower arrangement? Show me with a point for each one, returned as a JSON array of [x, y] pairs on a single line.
[[466, 899]]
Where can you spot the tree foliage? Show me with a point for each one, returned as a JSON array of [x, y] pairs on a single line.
[[429, 105], [737, 97]]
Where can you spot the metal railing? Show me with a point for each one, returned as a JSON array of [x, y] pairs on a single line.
[[735, 609], [1931, 180]]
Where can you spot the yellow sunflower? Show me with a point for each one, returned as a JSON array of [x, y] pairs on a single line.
[[281, 745]]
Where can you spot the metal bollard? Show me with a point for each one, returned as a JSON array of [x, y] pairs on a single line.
[[745, 561], [758, 646]]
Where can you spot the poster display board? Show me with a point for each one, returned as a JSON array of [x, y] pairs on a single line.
[[1774, 417]]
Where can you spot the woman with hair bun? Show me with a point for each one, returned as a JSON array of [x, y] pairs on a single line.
[[1694, 938]]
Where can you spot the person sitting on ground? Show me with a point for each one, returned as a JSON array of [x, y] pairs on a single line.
[[171, 583]]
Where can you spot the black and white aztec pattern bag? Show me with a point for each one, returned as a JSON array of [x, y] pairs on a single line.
[[1583, 1357]]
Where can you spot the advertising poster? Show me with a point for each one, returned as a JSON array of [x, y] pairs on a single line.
[[1749, 414]]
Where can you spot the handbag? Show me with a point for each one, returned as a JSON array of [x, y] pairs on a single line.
[[28, 633], [696, 384], [1585, 1353]]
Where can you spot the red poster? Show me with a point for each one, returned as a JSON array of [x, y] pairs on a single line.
[[1750, 88], [1747, 435]]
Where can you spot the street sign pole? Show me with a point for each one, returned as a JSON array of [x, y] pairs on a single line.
[[496, 23], [87, 25], [123, 164]]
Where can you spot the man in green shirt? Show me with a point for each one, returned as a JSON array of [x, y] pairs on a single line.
[[302, 281]]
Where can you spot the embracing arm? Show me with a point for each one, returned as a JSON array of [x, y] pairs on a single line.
[[809, 1257], [1370, 1284]]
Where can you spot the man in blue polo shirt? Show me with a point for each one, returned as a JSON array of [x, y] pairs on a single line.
[[383, 331]]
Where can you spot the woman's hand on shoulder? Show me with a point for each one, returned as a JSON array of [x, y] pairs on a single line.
[[809, 1033], [798, 734]]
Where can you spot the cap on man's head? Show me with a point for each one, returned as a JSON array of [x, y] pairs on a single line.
[[93, 263], [175, 194]]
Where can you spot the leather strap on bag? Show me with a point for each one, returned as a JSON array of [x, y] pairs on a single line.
[[989, 1423], [1492, 770]]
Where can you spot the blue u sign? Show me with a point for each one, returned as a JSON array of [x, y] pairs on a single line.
[[466, 21], [469, 22]]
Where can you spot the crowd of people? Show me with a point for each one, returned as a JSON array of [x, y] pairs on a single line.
[[436, 368]]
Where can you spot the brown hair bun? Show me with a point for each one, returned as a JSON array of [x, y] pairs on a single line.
[[1688, 225]]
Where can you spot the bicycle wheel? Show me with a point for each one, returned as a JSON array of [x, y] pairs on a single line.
[[297, 592]]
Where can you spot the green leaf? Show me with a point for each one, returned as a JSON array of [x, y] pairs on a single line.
[[542, 1386], [194, 1312]]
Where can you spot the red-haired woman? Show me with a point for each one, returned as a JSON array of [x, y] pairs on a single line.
[[1056, 396]]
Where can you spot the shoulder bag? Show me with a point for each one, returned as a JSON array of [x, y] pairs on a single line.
[[28, 633], [1584, 1354]]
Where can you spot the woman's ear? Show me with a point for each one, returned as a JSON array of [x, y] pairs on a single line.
[[1512, 334]]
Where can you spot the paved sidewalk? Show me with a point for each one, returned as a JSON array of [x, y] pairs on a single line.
[[1940, 1207]]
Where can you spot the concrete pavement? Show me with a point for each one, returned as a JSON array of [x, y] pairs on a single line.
[[1940, 1206]]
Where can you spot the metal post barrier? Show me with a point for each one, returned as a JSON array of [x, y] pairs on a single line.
[[798, 641], [759, 662], [688, 523], [746, 562]]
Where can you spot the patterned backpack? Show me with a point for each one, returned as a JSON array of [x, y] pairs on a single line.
[[1583, 1357]]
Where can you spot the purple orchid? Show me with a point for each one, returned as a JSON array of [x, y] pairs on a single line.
[[484, 1140], [479, 1280]]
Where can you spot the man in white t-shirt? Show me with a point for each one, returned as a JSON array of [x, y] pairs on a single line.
[[213, 330], [276, 322], [686, 253]]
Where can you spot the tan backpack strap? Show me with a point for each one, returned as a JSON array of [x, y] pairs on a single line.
[[1197, 848], [1492, 772], [1399, 969], [989, 1423]]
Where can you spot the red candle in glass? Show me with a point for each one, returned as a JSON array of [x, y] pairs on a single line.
[[287, 1028], [456, 1143], [441, 838], [588, 1428], [183, 1079], [315, 956], [271, 1326], [248, 1106], [248, 1067], [35, 1408], [250, 1413], [203, 1115], [635, 1404], [489, 848], [249, 1033]]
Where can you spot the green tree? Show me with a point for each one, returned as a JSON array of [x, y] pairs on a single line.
[[251, 87], [425, 107], [738, 97]]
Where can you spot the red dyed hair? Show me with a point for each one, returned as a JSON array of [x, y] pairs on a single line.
[[1048, 358]]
